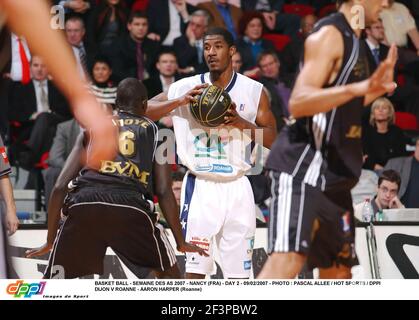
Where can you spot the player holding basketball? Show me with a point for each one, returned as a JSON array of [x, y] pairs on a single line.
[[217, 201], [316, 161], [112, 207]]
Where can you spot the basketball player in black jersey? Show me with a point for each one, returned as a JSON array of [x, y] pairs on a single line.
[[111, 206], [317, 159]]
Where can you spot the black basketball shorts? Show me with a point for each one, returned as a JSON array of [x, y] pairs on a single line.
[[305, 220], [96, 220]]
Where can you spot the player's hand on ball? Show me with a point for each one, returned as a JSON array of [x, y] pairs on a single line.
[[44, 249], [188, 247], [232, 117], [191, 94]]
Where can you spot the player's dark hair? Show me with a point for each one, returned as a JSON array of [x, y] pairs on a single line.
[[390, 175], [340, 2], [131, 95], [217, 31]]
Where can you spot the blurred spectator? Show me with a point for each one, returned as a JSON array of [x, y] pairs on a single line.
[[62, 145], [408, 168], [168, 20], [107, 22], [189, 48], [102, 86], [223, 15], [291, 55], [135, 55], [279, 87], [406, 96], [251, 43], [167, 74], [167, 68], [399, 25], [75, 32], [41, 102], [275, 21], [237, 62], [386, 194], [382, 140]]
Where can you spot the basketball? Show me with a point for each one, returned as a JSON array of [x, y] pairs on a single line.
[[210, 107]]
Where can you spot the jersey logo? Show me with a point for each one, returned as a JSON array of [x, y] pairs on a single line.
[[209, 146], [241, 108], [128, 168], [355, 132]]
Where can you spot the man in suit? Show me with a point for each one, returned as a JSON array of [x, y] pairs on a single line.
[[167, 67], [64, 141], [189, 47], [408, 168], [39, 106], [134, 54], [377, 50], [168, 20], [223, 15], [75, 31]]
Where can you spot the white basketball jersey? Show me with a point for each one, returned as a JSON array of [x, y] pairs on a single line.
[[212, 153]]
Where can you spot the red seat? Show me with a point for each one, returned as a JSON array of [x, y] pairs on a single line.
[[406, 121], [326, 10], [140, 5], [279, 40], [301, 10]]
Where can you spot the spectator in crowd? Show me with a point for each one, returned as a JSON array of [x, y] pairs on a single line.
[[64, 141], [135, 55], [237, 62], [168, 20], [223, 14], [103, 86], [251, 43], [107, 22], [167, 67], [75, 31], [408, 168], [41, 104], [167, 74], [406, 96], [278, 86], [382, 140], [275, 21], [386, 194], [189, 47], [291, 55], [14, 69], [399, 25]]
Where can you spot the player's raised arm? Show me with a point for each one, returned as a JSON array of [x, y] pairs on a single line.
[[159, 106], [32, 20], [323, 51], [70, 170]]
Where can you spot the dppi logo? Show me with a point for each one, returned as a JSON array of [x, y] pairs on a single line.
[[27, 290]]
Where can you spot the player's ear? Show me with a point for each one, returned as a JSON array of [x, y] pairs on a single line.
[[233, 50]]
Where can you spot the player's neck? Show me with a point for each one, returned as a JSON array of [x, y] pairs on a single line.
[[221, 79], [351, 17]]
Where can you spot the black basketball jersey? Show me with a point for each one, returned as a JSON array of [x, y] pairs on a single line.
[[326, 148], [132, 167]]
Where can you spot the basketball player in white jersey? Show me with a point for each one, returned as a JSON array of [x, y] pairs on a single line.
[[217, 201]]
